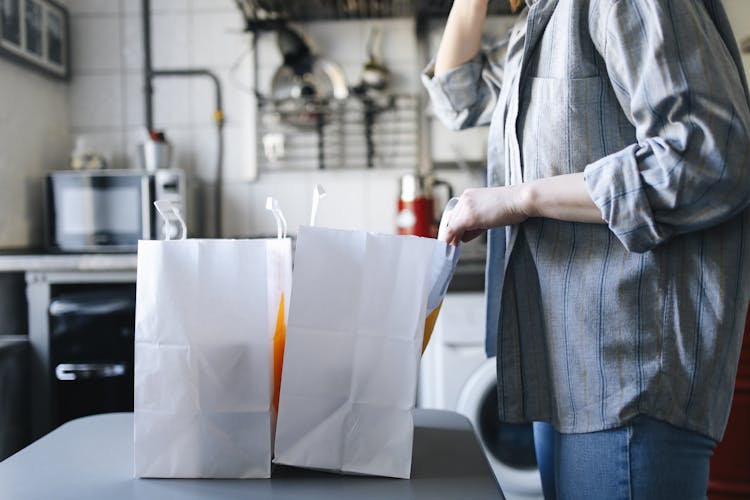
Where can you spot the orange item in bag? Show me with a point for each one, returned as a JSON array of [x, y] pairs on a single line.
[[279, 338], [429, 325]]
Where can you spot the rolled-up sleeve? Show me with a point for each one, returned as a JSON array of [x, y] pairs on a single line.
[[679, 84], [464, 96]]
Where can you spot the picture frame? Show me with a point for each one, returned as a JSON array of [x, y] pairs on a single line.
[[35, 33]]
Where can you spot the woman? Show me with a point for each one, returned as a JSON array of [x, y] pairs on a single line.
[[618, 276]]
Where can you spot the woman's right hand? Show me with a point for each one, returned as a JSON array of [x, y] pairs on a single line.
[[482, 208], [561, 197]]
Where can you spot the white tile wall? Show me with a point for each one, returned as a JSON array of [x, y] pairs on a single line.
[[95, 43], [161, 6], [217, 29], [170, 39], [86, 7], [133, 104], [173, 97], [95, 101], [129, 6], [214, 5], [131, 48]]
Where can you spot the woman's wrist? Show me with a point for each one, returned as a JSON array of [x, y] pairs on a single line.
[[525, 198]]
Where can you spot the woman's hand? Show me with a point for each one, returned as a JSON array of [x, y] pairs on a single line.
[[482, 208]]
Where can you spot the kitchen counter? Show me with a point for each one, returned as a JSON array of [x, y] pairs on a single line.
[[36, 261], [92, 458], [469, 274]]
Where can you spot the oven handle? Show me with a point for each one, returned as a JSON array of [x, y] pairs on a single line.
[[80, 371]]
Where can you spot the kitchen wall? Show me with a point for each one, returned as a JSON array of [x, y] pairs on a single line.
[[34, 132], [106, 104], [106, 92]]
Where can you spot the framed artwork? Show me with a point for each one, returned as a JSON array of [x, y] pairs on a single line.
[[35, 33]]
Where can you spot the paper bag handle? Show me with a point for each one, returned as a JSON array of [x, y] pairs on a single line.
[[318, 193], [169, 212], [449, 206], [272, 204]]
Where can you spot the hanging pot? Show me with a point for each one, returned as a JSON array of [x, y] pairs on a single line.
[[304, 82]]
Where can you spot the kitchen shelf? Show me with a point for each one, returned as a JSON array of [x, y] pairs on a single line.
[[352, 133], [260, 14]]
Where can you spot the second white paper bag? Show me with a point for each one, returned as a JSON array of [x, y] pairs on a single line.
[[354, 340]]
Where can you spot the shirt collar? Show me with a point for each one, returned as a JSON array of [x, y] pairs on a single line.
[[531, 2]]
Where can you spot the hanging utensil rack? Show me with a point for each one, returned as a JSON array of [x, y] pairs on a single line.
[[334, 135], [259, 13], [351, 133]]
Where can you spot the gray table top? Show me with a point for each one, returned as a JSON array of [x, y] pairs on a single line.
[[92, 458]]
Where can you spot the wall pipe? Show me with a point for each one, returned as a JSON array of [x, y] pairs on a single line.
[[149, 73], [424, 149]]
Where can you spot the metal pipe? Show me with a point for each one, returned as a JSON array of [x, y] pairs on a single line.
[[421, 28], [150, 73], [148, 88]]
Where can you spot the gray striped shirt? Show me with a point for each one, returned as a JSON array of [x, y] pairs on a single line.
[[596, 324]]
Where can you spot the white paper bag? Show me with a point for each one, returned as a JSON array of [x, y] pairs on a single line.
[[206, 315], [354, 339]]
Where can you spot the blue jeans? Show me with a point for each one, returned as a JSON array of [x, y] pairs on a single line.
[[645, 459]]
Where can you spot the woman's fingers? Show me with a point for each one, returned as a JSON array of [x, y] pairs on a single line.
[[460, 220]]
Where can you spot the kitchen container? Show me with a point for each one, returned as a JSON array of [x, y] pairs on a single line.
[[154, 155]]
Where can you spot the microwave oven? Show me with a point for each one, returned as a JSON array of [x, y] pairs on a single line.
[[109, 210]]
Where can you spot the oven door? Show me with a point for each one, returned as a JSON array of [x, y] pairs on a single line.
[[92, 331], [98, 211]]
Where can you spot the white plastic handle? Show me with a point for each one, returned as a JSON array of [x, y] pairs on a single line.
[[169, 213], [318, 193], [272, 204]]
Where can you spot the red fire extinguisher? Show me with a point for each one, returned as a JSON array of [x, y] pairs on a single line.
[[418, 209]]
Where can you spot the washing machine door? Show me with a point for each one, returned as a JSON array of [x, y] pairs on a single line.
[[509, 447]]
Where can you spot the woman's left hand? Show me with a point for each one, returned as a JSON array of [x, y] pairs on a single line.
[[482, 208]]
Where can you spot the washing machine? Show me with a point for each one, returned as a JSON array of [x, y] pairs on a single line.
[[455, 374]]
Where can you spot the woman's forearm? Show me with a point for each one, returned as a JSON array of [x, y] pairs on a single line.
[[562, 197], [462, 36]]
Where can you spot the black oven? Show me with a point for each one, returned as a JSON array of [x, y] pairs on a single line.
[[91, 349]]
